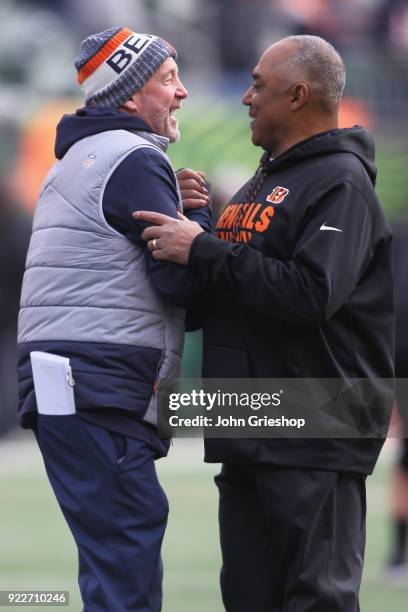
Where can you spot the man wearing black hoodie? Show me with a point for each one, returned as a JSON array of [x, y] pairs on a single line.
[[300, 286], [92, 293]]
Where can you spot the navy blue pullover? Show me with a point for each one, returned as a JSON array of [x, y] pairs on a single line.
[[142, 180], [142, 177]]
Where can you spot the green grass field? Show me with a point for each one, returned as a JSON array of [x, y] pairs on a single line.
[[37, 551]]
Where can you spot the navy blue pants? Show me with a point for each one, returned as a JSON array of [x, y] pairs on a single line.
[[107, 487], [292, 540]]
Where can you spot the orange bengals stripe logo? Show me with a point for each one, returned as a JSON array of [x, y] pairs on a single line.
[[277, 195], [103, 54]]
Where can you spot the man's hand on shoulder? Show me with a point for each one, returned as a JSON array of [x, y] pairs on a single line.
[[193, 190], [169, 239]]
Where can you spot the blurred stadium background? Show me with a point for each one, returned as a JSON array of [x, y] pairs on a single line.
[[218, 43]]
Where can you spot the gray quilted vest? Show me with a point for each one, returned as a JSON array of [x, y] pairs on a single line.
[[84, 281]]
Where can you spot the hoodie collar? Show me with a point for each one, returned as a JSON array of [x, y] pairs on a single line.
[[88, 122], [354, 140]]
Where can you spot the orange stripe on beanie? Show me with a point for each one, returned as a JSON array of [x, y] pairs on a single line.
[[113, 64], [105, 51]]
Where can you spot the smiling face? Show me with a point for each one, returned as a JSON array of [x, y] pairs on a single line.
[[158, 99], [269, 100]]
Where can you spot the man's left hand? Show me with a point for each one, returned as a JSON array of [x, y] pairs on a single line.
[[193, 190], [169, 239]]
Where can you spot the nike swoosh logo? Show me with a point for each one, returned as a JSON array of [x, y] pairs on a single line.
[[327, 227]]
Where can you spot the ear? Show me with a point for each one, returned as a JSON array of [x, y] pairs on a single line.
[[131, 105], [298, 94]]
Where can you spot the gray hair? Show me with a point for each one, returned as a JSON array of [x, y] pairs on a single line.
[[321, 65]]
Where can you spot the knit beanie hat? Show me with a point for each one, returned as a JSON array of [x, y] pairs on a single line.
[[113, 64]]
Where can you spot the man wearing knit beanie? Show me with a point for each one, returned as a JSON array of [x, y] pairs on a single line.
[[93, 293]]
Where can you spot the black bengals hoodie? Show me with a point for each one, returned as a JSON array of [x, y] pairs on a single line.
[[301, 286]]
